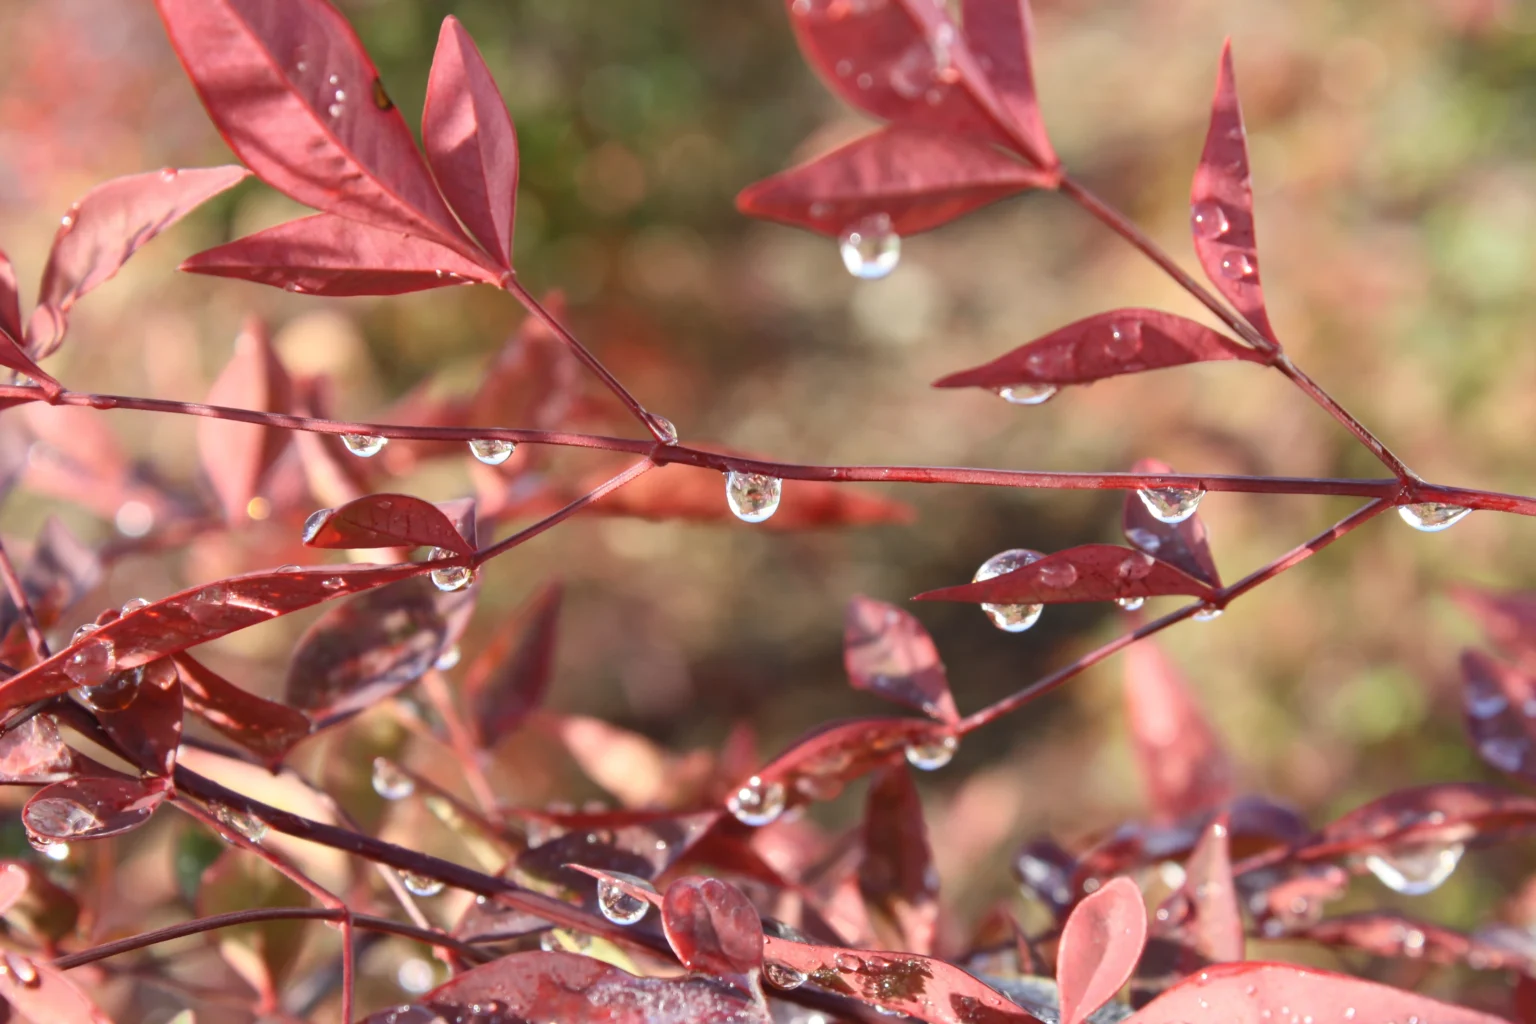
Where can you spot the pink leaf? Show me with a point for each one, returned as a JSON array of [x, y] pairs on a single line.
[[264, 727], [385, 521], [470, 141], [1496, 700], [886, 651], [10, 300], [296, 97], [918, 179], [1091, 572], [1184, 545], [1221, 205], [236, 456], [507, 682], [999, 33], [1099, 948], [111, 223], [1184, 769], [328, 255], [40, 992], [1107, 345], [1508, 618], [712, 927], [896, 872], [79, 809], [1203, 914]]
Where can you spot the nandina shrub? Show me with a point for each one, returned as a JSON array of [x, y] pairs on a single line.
[[709, 897]]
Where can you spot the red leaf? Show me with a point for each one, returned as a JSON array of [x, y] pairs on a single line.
[[236, 456], [10, 299], [1395, 936], [1508, 618], [712, 927], [919, 179], [1099, 948], [896, 872], [1250, 991], [61, 570], [264, 727], [385, 521], [41, 992], [141, 709], [888, 652], [1091, 572], [1107, 345], [191, 617], [1203, 915], [506, 683], [14, 880], [1184, 769], [1045, 871], [79, 809], [1221, 205], [999, 33], [296, 97], [328, 255], [1498, 701], [34, 753], [470, 141], [1184, 545], [108, 225]]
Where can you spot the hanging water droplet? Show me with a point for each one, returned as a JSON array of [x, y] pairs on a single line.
[[1208, 220], [244, 822], [1010, 618], [1130, 604], [1027, 394], [448, 659], [870, 248], [664, 427], [92, 663], [314, 522], [1209, 613], [757, 802], [48, 848], [1416, 870], [1124, 340], [58, 817], [619, 906], [82, 631], [450, 577], [753, 497], [930, 755], [1432, 516], [1238, 266], [364, 446], [782, 975], [420, 885], [115, 694], [491, 451], [1171, 504], [389, 781], [132, 605], [1058, 575]]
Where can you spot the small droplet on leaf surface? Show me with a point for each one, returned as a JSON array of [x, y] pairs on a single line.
[[752, 497], [1058, 575], [132, 605], [1416, 870], [491, 451], [1208, 220], [389, 781], [364, 446], [420, 885], [619, 906], [1237, 266], [1027, 394], [756, 802], [1171, 504], [92, 663], [782, 976], [932, 754], [244, 822], [1010, 618], [1130, 604], [871, 248], [1124, 340], [1432, 516]]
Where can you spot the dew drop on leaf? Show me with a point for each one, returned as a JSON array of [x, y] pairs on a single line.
[[207, 604], [1237, 266], [420, 885], [491, 451], [1171, 504], [313, 523], [871, 248], [92, 663], [364, 446], [782, 976], [389, 781], [448, 659], [114, 694], [1010, 618], [757, 802], [752, 497], [1432, 516], [59, 816], [930, 755], [1130, 604], [132, 605], [1058, 575], [664, 427], [244, 822], [1416, 870], [22, 969], [1208, 220], [619, 906], [1027, 394]]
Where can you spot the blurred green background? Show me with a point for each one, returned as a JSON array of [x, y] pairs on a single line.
[[1394, 154]]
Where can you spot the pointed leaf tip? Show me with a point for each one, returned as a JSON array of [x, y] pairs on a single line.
[[1100, 945]]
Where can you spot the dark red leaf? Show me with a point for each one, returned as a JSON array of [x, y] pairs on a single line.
[[194, 616], [1203, 915], [712, 927], [60, 571], [470, 141], [1045, 870], [1107, 345], [34, 753], [916, 178], [1091, 572], [888, 652], [329, 255], [107, 226], [79, 809], [296, 97], [1099, 948], [10, 300], [1498, 703], [1250, 991], [1184, 769], [507, 682], [1439, 814], [999, 33], [41, 910], [236, 456], [385, 521], [1508, 617], [41, 992], [1184, 545], [1397, 937], [1221, 205], [896, 872], [264, 727], [141, 709]]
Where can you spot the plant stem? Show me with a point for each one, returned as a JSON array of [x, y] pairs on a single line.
[[13, 586]]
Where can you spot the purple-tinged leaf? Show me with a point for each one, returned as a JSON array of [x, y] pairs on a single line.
[[1499, 948], [1099, 948], [385, 521], [470, 141], [1439, 814], [1221, 205], [1203, 916], [897, 876], [94, 808], [887, 652], [264, 727], [329, 255], [915, 178], [141, 709], [10, 300], [1508, 617], [236, 456], [107, 226], [1184, 769], [510, 677], [999, 33], [1290, 897], [1184, 545], [41, 992], [1091, 572], [1045, 870], [1498, 702], [61, 570], [1107, 345], [712, 927]]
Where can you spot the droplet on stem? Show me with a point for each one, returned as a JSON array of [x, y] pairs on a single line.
[[1027, 394], [619, 906], [664, 427], [364, 446], [1432, 516], [757, 802], [389, 781], [420, 885], [1416, 870], [1010, 618], [491, 451], [1171, 504], [930, 755], [753, 497], [870, 248], [92, 663], [313, 523], [1130, 604], [450, 577], [244, 822], [1209, 613]]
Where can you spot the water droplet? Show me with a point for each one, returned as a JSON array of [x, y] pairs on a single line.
[[244, 822], [1209, 613], [334, 79], [420, 885], [1058, 575], [1432, 516], [753, 497], [167, 174], [932, 754], [1237, 266], [1416, 870], [134, 519], [132, 605], [619, 906], [665, 427], [1124, 340], [491, 451], [82, 631], [333, 583], [1027, 394], [1010, 618], [314, 522], [1413, 942], [59, 817], [53, 851], [1171, 504], [448, 659], [415, 976], [870, 248], [207, 605], [848, 962], [364, 446], [451, 577], [1208, 220], [782, 975], [115, 694], [757, 802], [1503, 752], [92, 663], [1130, 604], [336, 109], [22, 969], [340, 96], [389, 781], [380, 97]]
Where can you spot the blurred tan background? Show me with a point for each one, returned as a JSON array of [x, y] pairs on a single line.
[[1394, 152]]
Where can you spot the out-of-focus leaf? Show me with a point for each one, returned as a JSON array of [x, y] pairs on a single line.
[[1184, 545], [92, 808], [1290, 897], [36, 906], [41, 992], [1497, 701], [817, 766], [1090, 572], [264, 953], [1438, 814], [1508, 617], [1099, 948], [1184, 769], [896, 873], [1045, 869], [1000, 34], [385, 521], [10, 299], [264, 727], [1202, 915], [143, 714], [635, 769], [61, 570], [510, 677], [236, 456], [1384, 934], [886, 651], [712, 927]]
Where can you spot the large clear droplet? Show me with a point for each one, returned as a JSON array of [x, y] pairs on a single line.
[[753, 497], [420, 885], [244, 822], [1208, 220], [757, 802], [59, 816], [782, 976], [1432, 516], [619, 906], [1027, 394], [1010, 618], [92, 663], [364, 446], [930, 755], [1210, 613], [132, 605], [115, 694], [871, 248], [491, 451], [1416, 871], [450, 577], [1171, 504], [1130, 604], [313, 523], [82, 631], [389, 781]]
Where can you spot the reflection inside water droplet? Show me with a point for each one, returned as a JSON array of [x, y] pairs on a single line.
[[871, 248], [1432, 516], [389, 781], [932, 754], [1208, 220], [1414, 871], [757, 802], [364, 446], [752, 497], [619, 906], [1171, 504], [1010, 618], [1027, 394], [420, 885], [491, 451]]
